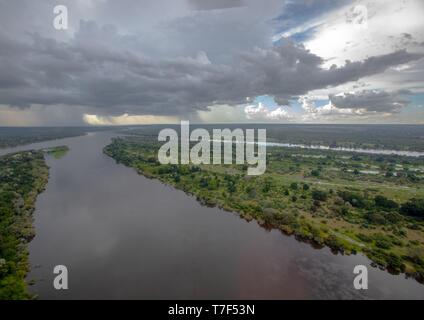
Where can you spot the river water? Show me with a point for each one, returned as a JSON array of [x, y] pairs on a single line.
[[122, 235]]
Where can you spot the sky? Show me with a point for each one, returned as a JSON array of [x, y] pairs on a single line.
[[212, 61]]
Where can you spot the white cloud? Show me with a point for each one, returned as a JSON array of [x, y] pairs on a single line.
[[126, 119], [390, 25], [261, 112]]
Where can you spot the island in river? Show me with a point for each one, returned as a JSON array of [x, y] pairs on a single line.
[[23, 176], [349, 202]]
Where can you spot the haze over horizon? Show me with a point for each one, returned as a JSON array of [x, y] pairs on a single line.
[[235, 61]]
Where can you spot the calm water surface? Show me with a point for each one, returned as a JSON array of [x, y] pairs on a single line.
[[124, 236]]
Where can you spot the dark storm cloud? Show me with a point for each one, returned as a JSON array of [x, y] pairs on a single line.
[[159, 57], [372, 100], [94, 70], [215, 4]]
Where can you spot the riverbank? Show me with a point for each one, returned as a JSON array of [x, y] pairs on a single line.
[[301, 194], [23, 176]]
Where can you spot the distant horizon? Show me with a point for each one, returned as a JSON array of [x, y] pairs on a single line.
[[219, 123]]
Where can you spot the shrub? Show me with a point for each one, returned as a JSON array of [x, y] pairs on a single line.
[[376, 218], [319, 195], [354, 199], [315, 173], [364, 237], [394, 263], [413, 208], [393, 217], [294, 186], [381, 241], [383, 202]]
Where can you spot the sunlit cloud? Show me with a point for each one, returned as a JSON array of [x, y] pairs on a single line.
[[125, 119]]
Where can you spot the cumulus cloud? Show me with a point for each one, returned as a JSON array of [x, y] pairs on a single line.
[[261, 112], [371, 101], [351, 105], [327, 112], [308, 104]]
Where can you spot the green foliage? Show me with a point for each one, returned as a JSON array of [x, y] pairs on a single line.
[[414, 208], [355, 199], [319, 195], [22, 176], [313, 208], [376, 218], [315, 173], [383, 202], [294, 186]]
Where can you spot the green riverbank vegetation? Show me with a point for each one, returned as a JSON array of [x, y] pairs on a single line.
[[347, 201], [23, 176]]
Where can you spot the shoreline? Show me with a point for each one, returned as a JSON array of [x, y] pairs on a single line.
[[19, 205], [335, 242]]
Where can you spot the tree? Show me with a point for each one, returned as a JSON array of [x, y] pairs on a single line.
[[383, 202], [315, 173], [294, 186], [203, 182], [413, 208], [389, 174], [319, 195]]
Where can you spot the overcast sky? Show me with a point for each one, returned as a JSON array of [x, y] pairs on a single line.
[[157, 61]]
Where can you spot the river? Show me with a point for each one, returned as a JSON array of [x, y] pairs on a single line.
[[122, 235]]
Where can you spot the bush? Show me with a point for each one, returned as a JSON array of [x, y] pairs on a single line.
[[354, 199], [364, 237], [383, 202], [319, 195], [376, 218], [393, 217], [413, 208], [315, 173], [285, 219], [394, 263], [203, 183], [381, 241], [334, 243]]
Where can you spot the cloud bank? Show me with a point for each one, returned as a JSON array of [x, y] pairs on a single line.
[[137, 61]]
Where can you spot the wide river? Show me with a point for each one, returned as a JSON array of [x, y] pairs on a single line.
[[124, 236]]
